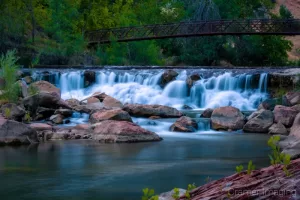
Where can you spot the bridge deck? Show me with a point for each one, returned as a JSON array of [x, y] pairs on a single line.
[[196, 28]]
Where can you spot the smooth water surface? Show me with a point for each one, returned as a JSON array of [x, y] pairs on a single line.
[[88, 170]]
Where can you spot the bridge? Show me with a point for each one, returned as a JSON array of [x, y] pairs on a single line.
[[196, 29]]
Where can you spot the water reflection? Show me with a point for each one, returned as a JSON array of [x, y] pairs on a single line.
[[88, 170]]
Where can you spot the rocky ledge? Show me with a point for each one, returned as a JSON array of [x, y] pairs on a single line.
[[266, 183]]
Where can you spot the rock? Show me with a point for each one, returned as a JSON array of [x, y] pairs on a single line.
[[110, 131], [168, 195], [192, 79], [155, 117], [207, 113], [115, 114], [16, 133], [268, 104], [167, 77], [92, 100], [186, 107], [292, 98], [83, 127], [227, 118], [91, 108], [259, 122], [266, 183], [43, 113], [139, 110], [105, 100], [72, 102], [278, 129], [297, 107], [57, 119], [13, 111], [89, 78], [28, 80], [295, 130], [64, 112], [285, 115], [44, 99], [44, 86], [40, 126], [184, 124], [110, 102]]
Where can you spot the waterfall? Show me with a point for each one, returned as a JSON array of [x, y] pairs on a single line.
[[142, 86]]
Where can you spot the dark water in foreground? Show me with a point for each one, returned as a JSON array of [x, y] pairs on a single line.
[[86, 170]]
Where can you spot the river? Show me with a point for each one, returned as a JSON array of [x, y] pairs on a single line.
[[89, 170]]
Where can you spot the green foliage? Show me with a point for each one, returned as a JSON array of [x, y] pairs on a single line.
[[251, 167], [8, 73], [175, 195], [239, 169], [285, 13], [7, 113], [52, 32], [27, 117], [277, 157], [149, 194], [189, 189]]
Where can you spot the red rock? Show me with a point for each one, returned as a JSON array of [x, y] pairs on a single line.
[[110, 131], [114, 114], [267, 183], [292, 98], [226, 118], [184, 124], [139, 110], [40, 126], [284, 115], [44, 86], [295, 130]]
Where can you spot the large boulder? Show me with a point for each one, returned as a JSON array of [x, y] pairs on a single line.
[[207, 113], [278, 129], [89, 78], [192, 79], [44, 99], [103, 100], [111, 131], [44, 86], [285, 115], [227, 118], [167, 77], [139, 110], [114, 114], [13, 111], [259, 122], [184, 124], [295, 130], [296, 107], [292, 98], [16, 133]]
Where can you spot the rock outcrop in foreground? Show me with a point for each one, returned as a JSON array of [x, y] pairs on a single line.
[[267, 183]]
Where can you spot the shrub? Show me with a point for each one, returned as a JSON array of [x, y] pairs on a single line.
[[148, 194], [8, 73], [277, 157]]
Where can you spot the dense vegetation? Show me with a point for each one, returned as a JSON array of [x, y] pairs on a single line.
[[52, 32]]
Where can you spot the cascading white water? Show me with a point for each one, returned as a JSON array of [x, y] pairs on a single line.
[[143, 87]]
